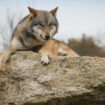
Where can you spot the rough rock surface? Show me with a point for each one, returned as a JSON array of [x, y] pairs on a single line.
[[70, 81]]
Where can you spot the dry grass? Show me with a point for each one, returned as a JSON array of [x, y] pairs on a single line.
[[86, 47]]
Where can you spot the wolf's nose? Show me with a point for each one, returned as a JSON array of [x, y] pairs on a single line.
[[47, 37]]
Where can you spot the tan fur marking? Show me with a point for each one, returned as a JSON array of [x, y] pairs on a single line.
[[53, 48], [68, 51], [46, 31]]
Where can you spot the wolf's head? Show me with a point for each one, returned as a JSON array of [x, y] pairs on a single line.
[[44, 23]]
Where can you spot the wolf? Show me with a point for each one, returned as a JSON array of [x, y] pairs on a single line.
[[35, 32]]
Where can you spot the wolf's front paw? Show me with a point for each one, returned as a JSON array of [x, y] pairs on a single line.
[[2, 66], [61, 52], [45, 60]]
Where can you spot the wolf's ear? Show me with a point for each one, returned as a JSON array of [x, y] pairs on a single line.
[[33, 11], [54, 11]]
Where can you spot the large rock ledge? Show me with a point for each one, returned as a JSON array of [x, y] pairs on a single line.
[[72, 81]]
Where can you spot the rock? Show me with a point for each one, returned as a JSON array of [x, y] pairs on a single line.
[[69, 81]]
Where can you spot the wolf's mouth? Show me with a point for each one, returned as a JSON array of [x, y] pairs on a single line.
[[42, 37], [46, 38]]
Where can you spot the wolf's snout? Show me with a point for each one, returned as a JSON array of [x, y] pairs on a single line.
[[47, 37]]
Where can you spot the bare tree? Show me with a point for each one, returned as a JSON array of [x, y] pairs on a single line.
[[6, 29]]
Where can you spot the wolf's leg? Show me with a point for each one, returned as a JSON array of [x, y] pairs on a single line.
[[15, 45], [44, 56], [64, 50]]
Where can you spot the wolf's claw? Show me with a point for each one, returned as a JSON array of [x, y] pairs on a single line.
[[65, 54], [45, 60], [45, 63]]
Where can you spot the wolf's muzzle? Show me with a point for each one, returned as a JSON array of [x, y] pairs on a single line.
[[47, 37]]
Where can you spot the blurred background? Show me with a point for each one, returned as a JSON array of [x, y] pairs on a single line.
[[81, 22]]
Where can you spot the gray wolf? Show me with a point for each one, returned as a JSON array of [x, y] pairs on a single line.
[[36, 31]]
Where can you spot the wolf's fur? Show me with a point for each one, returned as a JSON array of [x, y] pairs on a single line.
[[53, 48], [33, 32]]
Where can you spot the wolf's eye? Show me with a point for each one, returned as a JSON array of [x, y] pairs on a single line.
[[41, 25], [51, 26]]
